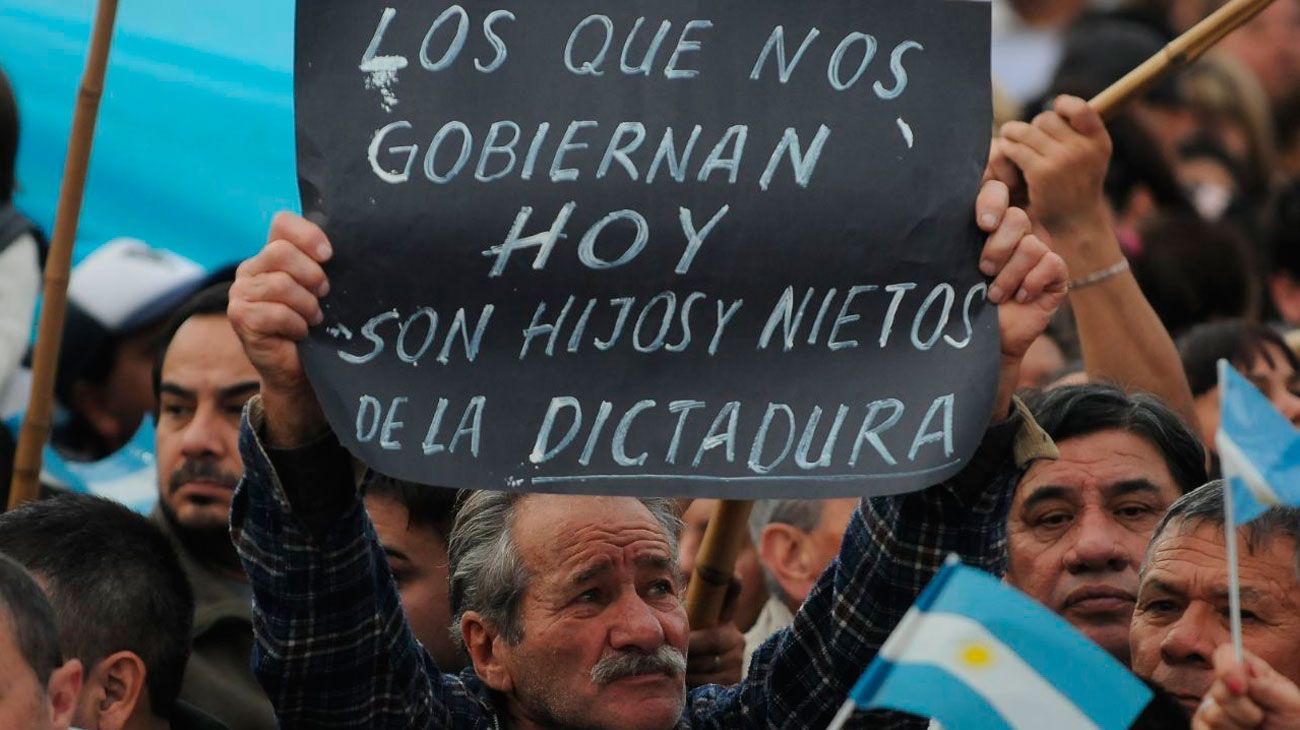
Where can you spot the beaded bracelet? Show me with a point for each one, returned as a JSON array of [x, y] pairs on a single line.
[[1097, 277]]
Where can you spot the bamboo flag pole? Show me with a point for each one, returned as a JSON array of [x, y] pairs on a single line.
[[716, 561], [36, 423], [1180, 52]]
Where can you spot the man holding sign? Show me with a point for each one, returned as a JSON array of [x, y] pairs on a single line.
[[576, 249], [591, 632]]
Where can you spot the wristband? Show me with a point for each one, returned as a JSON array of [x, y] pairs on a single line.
[[1097, 277]]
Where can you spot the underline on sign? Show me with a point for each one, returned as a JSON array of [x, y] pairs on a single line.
[[755, 478]]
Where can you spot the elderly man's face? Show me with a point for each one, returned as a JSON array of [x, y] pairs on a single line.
[[603, 589], [1182, 609], [1079, 527]]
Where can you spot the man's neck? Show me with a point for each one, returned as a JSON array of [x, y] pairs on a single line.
[[210, 548], [153, 722], [142, 718]]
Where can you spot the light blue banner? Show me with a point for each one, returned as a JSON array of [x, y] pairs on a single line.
[[195, 145]]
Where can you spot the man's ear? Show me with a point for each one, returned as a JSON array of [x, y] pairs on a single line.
[[63, 688], [781, 548], [487, 651], [123, 677]]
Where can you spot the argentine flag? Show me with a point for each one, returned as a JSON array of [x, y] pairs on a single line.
[[1259, 450], [975, 654]]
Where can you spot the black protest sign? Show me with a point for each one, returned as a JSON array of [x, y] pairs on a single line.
[[675, 247]]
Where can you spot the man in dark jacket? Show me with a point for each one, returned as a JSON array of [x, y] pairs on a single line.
[[202, 380]]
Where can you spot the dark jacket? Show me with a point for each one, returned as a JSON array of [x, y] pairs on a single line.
[[218, 677]]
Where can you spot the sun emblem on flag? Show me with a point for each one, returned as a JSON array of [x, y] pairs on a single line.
[[976, 655]]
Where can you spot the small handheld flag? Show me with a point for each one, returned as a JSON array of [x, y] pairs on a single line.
[[1259, 449], [975, 654], [1259, 452]]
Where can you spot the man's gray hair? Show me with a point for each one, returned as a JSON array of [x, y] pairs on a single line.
[[1204, 506], [486, 571], [801, 514]]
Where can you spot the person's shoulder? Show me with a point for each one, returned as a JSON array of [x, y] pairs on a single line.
[[462, 700], [468, 701]]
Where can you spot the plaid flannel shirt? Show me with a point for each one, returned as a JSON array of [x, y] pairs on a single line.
[[333, 648]]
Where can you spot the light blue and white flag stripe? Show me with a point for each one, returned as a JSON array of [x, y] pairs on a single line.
[[975, 655], [1259, 449], [128, 475]]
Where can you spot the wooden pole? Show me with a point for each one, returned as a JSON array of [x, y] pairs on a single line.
[[36, 424], [723, 540], [1180, 52]]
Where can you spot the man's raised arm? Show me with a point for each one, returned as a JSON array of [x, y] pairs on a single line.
[[894, 545], [332, 645], [1058, 163]]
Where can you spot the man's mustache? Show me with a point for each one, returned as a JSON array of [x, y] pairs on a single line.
[[667, 660], [201, 471]]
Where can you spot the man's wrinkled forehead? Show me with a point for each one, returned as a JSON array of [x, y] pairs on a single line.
[[560, 526], [653, 560], [1106, 464], [1210, 539], [1184, 561], [1191, 565]]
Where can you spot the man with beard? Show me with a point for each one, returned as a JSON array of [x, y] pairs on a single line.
[[202, 380]]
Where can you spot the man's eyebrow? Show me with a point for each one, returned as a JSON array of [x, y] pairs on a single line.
[[1248, 593], [393, 552], [1044, 494], [249, 387], [591, 573], [660, 562], [1131, 486], [1162, 586], [174, 389]]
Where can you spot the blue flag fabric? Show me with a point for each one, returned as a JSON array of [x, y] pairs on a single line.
[[128, 475], [1259, 449], [977, 655]]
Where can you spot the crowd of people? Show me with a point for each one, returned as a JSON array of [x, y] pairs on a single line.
[[205, 553]]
